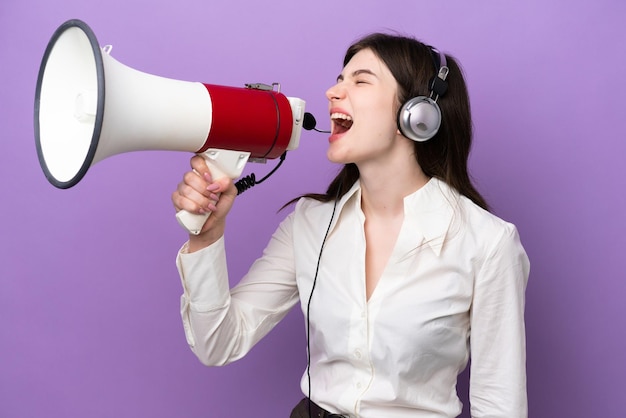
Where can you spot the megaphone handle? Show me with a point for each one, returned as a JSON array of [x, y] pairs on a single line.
[[221, 163], [192, 222]]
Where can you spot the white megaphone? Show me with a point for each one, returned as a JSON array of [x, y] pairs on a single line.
[[88, 107]]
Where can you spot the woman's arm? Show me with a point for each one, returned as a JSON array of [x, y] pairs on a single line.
[[497, 334], [222, 325]]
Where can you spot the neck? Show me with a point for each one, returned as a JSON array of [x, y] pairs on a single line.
[[383, 190]]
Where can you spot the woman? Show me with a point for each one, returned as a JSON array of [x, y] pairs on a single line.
[[394, 266]]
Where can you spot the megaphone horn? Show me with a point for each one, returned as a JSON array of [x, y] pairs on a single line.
[[89, 106]]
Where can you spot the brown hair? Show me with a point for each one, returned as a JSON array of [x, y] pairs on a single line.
[[445, 155]]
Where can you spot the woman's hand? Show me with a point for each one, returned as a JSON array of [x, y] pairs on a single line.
[[199, 193]]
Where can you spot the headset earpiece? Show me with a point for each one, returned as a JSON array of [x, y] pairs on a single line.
[[419, 118]]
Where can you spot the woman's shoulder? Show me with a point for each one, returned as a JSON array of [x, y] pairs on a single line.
[[479, 221], [487, 228], [310, 207], [479, 214]]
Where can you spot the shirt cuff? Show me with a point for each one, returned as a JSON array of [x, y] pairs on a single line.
[[204, 276]]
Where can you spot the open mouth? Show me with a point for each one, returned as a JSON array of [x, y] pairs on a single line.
[[341, 122]]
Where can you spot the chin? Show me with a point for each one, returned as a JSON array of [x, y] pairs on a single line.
[[336, 157]]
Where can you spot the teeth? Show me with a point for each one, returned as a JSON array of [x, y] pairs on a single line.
[[340, 116], [342, 120]]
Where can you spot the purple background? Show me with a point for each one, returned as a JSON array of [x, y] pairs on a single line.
[[89, 294]]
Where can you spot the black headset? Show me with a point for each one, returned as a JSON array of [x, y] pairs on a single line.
[[419, 118]]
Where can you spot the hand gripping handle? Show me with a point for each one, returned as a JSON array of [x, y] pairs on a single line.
[[221, 163]]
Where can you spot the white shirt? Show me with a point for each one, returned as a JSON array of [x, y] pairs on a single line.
[[455, 270]]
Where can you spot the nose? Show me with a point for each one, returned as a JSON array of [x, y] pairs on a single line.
[[336, 92]]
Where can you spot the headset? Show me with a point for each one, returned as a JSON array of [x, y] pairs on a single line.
[[419, 118]]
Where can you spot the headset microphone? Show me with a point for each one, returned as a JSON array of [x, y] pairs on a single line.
[[309, 123]]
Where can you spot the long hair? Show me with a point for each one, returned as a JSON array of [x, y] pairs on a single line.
[[444, 156]]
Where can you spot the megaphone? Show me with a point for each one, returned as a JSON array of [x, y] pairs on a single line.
[[89, 106]]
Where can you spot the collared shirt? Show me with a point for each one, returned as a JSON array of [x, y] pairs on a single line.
[[454, 285]]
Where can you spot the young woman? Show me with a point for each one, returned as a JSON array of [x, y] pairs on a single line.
[[400, 270]]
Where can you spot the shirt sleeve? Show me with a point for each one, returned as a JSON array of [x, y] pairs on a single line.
[[497, 333], [222, 325]]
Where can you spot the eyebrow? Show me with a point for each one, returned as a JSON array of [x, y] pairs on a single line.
[[355, 73]]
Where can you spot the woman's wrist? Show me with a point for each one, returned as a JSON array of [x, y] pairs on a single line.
[[203, 240]]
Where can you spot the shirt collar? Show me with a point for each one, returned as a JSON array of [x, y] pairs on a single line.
[[355, 191], [429, 211]]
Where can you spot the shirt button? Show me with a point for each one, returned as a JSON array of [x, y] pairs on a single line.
[[357, 353], [359, 385]]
